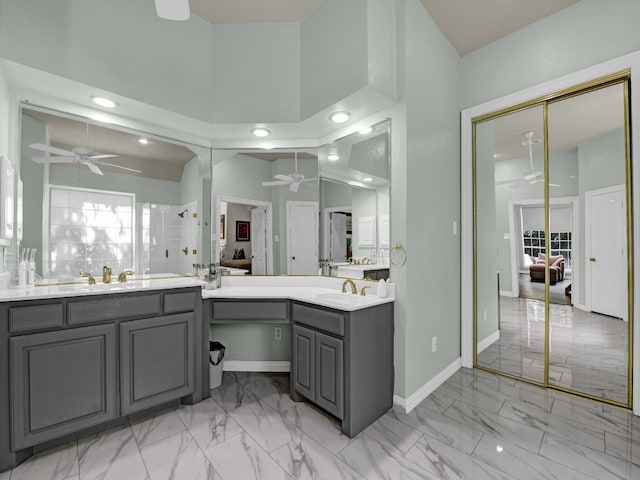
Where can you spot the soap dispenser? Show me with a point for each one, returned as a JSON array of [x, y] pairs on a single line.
[[382, 289]]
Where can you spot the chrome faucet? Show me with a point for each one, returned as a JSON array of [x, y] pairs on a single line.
[[106, 274], [92, 281], [348, 281], [123, 275]]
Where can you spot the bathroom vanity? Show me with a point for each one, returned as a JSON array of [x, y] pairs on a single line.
[[76, 359], [341, 344]]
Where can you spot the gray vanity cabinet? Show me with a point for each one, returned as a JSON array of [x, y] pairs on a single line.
[[156, 360], [343, 361], [63, 381]]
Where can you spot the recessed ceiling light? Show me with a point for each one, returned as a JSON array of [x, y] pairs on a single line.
[[260, 132], [339, 117], [367, 179], [143, 141], [354, 183], [365, 130], [103, 102], [334, 157]]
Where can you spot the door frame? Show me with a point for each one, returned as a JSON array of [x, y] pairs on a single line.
[[268, 226], [588, 195], [289, 204], [629, 62], [326, 237], [515, 231]]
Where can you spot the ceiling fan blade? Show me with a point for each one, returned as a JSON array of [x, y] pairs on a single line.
[[173, 9], [98, 157], [93, 168], [309, 179], [275, 182], [294, 186], [53, 159], [50, 149], [120, 166], [286, 178]]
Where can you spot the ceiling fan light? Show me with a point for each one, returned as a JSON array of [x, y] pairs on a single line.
[[260, 132], [333, 157], [103, 101], [339, 117]]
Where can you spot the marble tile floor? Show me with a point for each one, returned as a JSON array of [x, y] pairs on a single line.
[[475, 426], [588, 351]]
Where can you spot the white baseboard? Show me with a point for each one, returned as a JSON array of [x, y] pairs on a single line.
[[256, 366], [581, 306], [424, 391], [507, 293], [487, 342]]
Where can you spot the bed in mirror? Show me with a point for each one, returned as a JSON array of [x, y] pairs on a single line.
[[306, 210]]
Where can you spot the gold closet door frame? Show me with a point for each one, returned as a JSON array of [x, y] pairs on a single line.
[[624, 78]]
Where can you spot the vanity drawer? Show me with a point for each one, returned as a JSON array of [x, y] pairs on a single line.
[[328, 321], [243, 311], [179, 302], [35, 317], [95, 310]]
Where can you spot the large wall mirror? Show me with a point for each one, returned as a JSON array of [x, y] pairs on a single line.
[[552, 241], [295, 211], [96, 195]]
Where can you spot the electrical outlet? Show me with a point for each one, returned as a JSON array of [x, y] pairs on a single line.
[[484, 315], [434, 344], [278, 333]]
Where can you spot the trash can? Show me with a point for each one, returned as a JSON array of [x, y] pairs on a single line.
[[216, 361]]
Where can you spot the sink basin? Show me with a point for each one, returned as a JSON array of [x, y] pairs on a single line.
[[99, 287], [346, 299]]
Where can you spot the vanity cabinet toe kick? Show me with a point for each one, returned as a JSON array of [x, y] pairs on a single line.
[[340, 360], [74, 366]]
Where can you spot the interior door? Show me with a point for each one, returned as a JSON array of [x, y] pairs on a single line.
[[188, 237], [259, 241], [607, 252], [302, 238], [338, 237]]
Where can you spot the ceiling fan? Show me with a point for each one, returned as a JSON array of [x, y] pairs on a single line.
[[532, 176], [83, 155], [173, 9], [293, 179]]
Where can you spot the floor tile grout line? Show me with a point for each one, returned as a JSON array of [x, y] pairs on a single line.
[[146, 468]]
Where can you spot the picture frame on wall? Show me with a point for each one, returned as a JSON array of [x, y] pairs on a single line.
[[243, 231], [222, 217]]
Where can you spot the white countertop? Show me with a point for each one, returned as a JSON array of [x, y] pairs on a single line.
[[317, 290], [363, 268], [75, 290]]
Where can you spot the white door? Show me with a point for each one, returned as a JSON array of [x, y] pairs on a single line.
[[338, 237], [188, 220], [606, 255], [302, 238], [259, 241]]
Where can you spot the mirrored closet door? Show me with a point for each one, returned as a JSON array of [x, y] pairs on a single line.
[[552, 241]]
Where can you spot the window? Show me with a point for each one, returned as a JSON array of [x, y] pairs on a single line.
[[560, 243], [89, 229]]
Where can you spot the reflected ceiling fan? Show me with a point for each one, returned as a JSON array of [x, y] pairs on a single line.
[[532, 176], [83, 155], [293, 179]]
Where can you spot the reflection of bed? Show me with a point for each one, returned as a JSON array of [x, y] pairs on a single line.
[[245, 264]]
